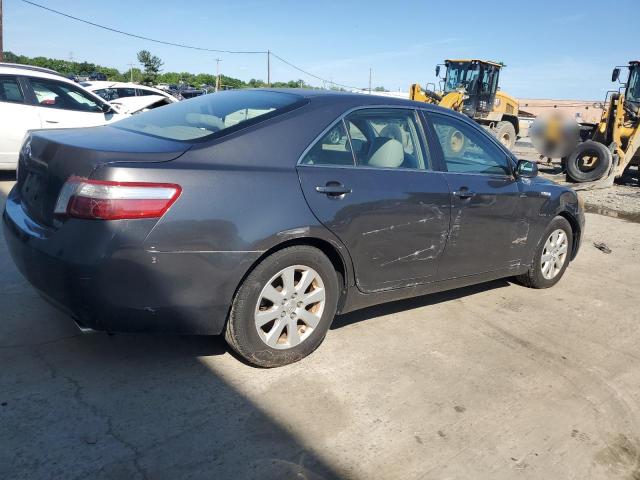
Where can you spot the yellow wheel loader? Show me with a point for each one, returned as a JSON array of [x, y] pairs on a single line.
[[613, 144], [471, 87]]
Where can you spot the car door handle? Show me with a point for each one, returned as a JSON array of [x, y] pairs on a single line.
[[333, 190], [52, 121], [464, 193]]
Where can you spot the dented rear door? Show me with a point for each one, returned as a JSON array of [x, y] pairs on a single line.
[[395, 222]]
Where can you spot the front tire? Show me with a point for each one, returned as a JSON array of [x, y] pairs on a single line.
[[551, 257], [505, 132], [283, 309]]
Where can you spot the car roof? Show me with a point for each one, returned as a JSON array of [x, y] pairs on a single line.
[[354, 98], [31, 70]]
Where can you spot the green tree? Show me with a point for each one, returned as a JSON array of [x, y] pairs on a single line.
[[151, 64]]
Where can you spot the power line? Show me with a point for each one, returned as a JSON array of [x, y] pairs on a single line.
[[193, 47], [313, 75], [115, 30]]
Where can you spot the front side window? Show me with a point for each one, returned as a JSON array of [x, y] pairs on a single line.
[[10, 90], [52, 94], [208, 115], [461, 74], [386, 138], [466, 149], [633, 90]]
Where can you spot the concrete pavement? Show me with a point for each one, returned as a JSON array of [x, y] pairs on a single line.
[[495, 381]]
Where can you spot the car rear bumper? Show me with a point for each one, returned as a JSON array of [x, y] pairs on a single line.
[[119, 287]]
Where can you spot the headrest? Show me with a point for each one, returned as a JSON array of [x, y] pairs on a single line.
[[386, 153]]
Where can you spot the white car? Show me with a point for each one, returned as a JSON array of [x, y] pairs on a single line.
[[34, 98], [113, 91]]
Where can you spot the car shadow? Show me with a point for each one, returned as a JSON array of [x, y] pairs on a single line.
[[136, 406], [416, 302]]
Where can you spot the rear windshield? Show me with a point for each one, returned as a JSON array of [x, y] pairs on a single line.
[[207, 115]]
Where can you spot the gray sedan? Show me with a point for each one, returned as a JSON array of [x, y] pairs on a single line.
[[260, 214]]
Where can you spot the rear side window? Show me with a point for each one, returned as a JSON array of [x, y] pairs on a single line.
[[52, 94], [386, 138], [332, 149], [208, 115], [377, 138], [10, 90]]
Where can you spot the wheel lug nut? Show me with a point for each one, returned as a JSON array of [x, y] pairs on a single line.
[[299, 304], [282, 314], [293, 315]]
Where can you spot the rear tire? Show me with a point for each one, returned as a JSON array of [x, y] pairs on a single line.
[[590, 161], [270, 333], [541, 275], [505, 132]]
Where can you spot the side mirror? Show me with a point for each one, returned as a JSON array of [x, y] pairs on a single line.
[[106, 108], [615, 74], [526, 169], [437, 70]]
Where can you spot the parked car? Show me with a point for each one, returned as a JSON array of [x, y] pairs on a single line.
[[33, 98], [97, 76], [111, 91], [238, 213]]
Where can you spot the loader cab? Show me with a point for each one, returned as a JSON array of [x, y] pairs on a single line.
[[478, 78], [632, 91]]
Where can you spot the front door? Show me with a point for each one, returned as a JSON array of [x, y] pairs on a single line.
[[372, 186], [486, 222], [16, 118]]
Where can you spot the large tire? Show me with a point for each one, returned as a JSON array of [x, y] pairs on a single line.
[[505, 132], [590, 161], [453, 142], [289, 333], [538, 276]]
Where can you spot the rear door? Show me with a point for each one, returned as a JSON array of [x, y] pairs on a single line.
[[64, 105], [369, 180], [486, 220], [16, 117]]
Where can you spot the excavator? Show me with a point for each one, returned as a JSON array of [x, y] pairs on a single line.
[[613, 144], [470, 86]]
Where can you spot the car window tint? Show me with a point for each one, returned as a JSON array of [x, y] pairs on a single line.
[[386, 138], [52, 94], [466, 149], [332, 149], [10, 90], [126, 92], [143, 91]]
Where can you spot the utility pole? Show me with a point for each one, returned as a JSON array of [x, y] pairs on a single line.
[[218, 60], [1, 45], [268, 68], [131, 70], [369, 80]]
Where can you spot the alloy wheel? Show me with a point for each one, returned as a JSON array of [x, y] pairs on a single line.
[[554, 254], [290, 307]]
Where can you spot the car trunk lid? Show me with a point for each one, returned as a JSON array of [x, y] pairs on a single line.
[[53, 156]]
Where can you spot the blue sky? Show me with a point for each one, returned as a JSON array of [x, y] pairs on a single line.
[[553, 49]]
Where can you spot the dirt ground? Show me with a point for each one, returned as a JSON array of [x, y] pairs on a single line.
[[495, 381]]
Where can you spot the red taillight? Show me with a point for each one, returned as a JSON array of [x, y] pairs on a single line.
[[103, 200]]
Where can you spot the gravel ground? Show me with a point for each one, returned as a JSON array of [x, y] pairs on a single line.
[[620, 200]]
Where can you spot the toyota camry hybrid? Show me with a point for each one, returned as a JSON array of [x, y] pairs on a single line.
[[260, 214]]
